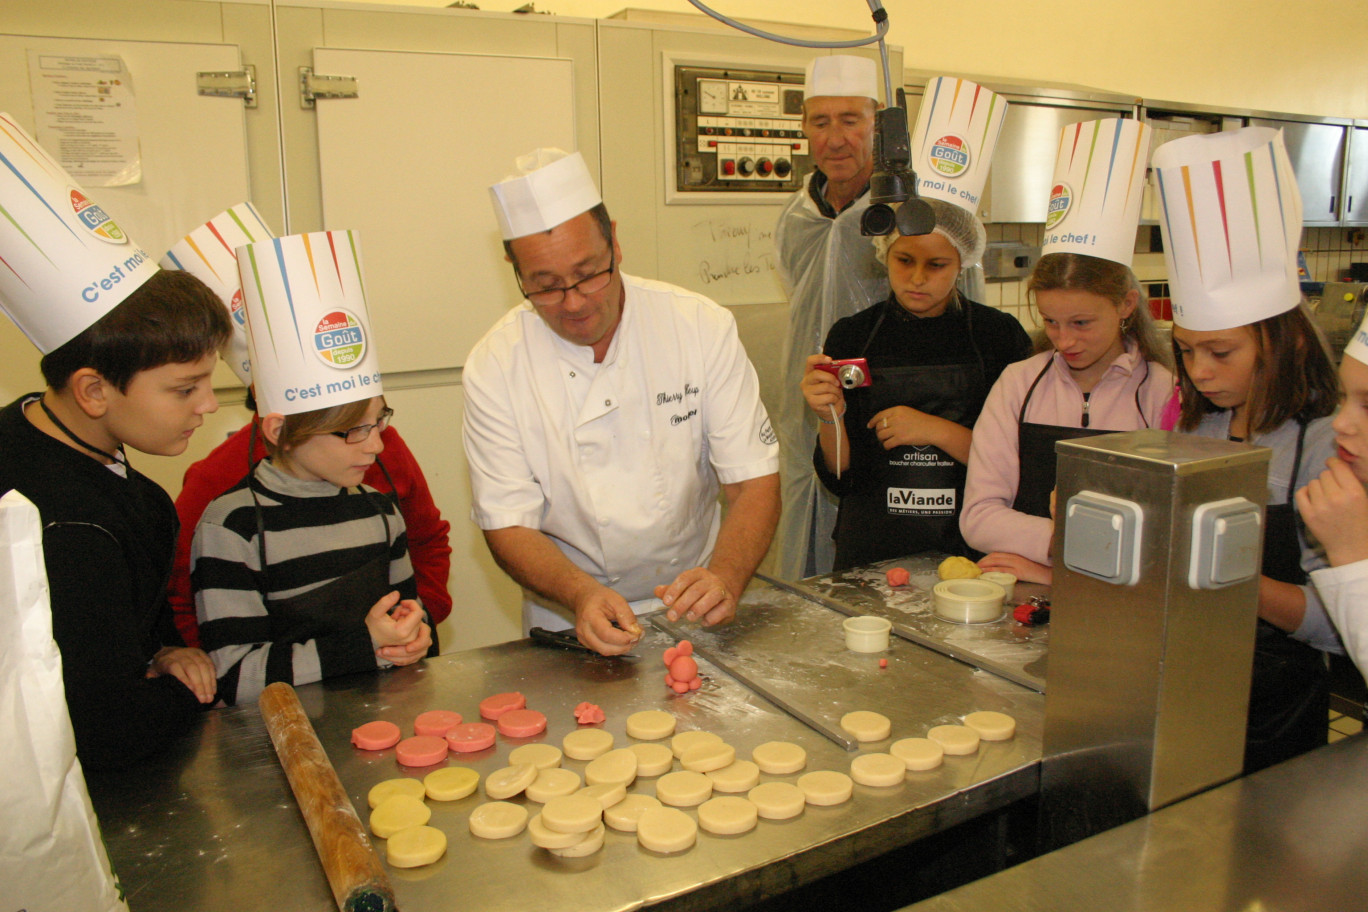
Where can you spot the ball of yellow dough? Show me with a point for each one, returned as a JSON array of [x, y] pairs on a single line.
[[958, 568]]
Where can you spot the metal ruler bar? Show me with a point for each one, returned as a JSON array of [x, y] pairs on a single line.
[[817, 725]]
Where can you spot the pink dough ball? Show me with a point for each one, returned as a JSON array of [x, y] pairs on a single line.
[[898, 576], [683, 668], [680, 687]]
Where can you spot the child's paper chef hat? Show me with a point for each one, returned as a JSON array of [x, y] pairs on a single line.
[[64, 263], [550, 188], [308, 326], [1099, 179], [953, 140], [843, 76], [1231, 218], [210, 254], [1358, 343]]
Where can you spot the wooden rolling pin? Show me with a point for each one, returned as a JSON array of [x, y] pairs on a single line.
[[358, 881]]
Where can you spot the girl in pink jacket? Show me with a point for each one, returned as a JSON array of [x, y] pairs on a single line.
[[1100, 370]]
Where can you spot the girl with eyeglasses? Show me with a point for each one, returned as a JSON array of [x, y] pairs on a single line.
[[300, 571]]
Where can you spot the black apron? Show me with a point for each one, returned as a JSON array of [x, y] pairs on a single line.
[[1289, 698], [335, 606], [912, 503], [1036, 457]]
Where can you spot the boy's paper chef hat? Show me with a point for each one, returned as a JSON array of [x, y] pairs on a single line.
[[308, 326], [1231, 217], [1099, 179], [842, 76], [953, 140], [64, 263], [550, 188], [210, 254]]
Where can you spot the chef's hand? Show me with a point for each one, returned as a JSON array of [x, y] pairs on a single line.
[[192, 667], [698, 595], [1026, 571], [1334, 507], [904, 426], [821, 389], [604, 621]]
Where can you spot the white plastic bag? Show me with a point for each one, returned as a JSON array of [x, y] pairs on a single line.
[[51, 856]]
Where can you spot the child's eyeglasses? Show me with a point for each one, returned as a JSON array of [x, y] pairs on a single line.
[[361, 433]]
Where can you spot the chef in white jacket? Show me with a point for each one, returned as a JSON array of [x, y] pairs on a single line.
[[602, 417], [830, 271]]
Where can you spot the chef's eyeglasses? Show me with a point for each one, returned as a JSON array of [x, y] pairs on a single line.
[[550, 297], [361, 433]]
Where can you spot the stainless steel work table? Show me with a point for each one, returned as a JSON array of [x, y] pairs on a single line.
[[1292, 837], [212, 824]]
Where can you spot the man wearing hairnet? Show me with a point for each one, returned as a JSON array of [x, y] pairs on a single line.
[[829, 271]]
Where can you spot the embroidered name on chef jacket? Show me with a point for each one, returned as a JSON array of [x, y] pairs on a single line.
[[922, 501], [679, 400]]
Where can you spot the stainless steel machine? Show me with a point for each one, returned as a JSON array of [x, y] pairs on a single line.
[[1156, 566]]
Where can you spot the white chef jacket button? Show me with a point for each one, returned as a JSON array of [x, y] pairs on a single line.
[[572, 373], [616, 579], [607, 401], [603, 522], [674, 561]]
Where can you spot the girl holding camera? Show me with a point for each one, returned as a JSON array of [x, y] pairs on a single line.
[[895, 424]]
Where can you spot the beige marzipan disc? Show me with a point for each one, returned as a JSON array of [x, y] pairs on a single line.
[[623, 815], [779, 758], [546, 838], [685, 740], [650, 725], [653, 759], [553, 783], [398, 812], [824, 788], [542, 756], [382, 790], [879, 770], [684, 788], [617, 766], [498, 820], [863, 725], [605, 793], [741, 776], [955, 739], [728, 815], [415, 846], [572, 814], [591, 843], [587, 743], [510, 781], [991, 726], [666, 830], [777, 800], [703, 758], [918, 753], [450, 783]]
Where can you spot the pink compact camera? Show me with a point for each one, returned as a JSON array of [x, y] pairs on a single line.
[[851, 372]]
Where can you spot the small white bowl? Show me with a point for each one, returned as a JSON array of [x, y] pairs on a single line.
[[867, 633], [1006, 580], [968, 601]]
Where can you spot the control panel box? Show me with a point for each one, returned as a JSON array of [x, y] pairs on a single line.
[[739, 131]]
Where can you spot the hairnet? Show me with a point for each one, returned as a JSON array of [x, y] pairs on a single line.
[[959, 226]]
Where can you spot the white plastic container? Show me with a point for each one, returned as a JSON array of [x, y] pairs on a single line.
[[867, 633], [968, 601], [1006, 580]]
